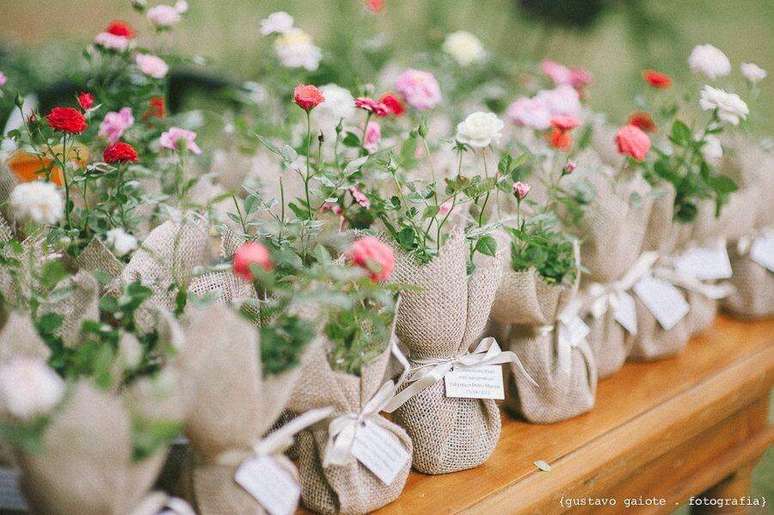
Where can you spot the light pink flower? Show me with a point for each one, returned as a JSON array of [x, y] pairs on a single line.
[[151, 65], [530, 112], [3, 79], [561, 101], [111, 41], [521, 189], [632, 142], [333, 207], [419, 88], [562, 75], [564, 123], [115, 124], [172, 138], [569, 167], [374, 256], [373, 135], [360, 197], [164, 15]]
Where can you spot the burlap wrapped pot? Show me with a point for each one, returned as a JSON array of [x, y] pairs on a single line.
[[442, 318], [754, 284], [86, 464], [234, 405], [527, 309], [348, 488]]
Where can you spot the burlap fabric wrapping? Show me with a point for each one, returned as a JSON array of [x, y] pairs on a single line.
[[348, 487], [561, 377], [78, 302], [613, 231], [166, 259], [442, 319], [86, 465], [754, 283], [234, 405], [96, 257], [223, 286]]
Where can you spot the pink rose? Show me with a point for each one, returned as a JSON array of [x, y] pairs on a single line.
[[632, 142], [111, 41], [307, 96], [564, 123], [3, 79], [360, 197], [561, 75], [164, 15], [561, 101], [521, 189], [172, 138], [373, 136], [530, 112], [419, 88], [151, 65], [251, 253], [446, 207], [374, 256], [115, 124]]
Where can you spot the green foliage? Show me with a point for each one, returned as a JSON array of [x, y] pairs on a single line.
[[282, 343], [539, 244], [149, 436]]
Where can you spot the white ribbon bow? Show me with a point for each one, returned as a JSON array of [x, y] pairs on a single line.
[[571, 330], [688, 282], [432, 370], [343, 429], [277, 442], [611, 296]]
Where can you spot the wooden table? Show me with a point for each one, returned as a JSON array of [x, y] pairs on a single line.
[[668, 430]]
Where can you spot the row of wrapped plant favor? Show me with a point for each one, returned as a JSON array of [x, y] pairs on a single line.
[[353, 304]]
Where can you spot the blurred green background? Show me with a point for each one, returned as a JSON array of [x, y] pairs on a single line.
[[614, 40]]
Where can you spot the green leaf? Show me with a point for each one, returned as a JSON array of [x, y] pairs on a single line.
[[681, 134], [722, 184], [487, 245], [351, 140]]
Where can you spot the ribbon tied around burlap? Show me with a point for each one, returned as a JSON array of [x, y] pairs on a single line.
[[431, 370], [668, 272], [570, 331]]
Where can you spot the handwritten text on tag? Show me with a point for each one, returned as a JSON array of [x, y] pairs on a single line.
[[380, 451], [270, 484], [484, 382]]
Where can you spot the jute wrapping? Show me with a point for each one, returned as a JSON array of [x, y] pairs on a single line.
[[86, 464], [754, 295], [348, 488], [81, 304], [234, 405], [442, 318], [166, 259], [527, 310], [97, 257], [613, 231]]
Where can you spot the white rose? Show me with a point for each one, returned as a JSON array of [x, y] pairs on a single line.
[[163, 15], [729, 106], [279, 23], [111, 41], [709, 61], [129, 351], [37, 201], [295, 49], [181, 6], [479, 130], [29, 388], [338, 103], [752, 72], [121, 241], [464, 47], [712, 150]]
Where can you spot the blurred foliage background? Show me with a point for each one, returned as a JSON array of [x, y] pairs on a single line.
[[41, 42], [614, 39]]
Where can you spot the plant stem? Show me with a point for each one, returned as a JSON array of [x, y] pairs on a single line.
[[306, 177]]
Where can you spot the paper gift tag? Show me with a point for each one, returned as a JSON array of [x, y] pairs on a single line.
[[663, 300], [625, 312], [380, 451], [270, 484], [10, 495], [762, 251], [705, 263], [484, 382]]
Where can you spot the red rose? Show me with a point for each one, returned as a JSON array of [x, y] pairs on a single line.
[[120, 152], [642, 121], [251, 253], [307, 97], [393, 103], [657, 79], [374, 5], [560, 140], [85, 100], [632, 142], [66, 119], [120, 28], [156, 108]]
